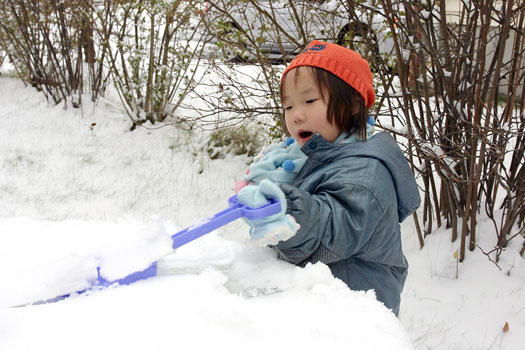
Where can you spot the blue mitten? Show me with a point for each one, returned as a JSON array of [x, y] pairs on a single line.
[[280, 164], [274, 228]]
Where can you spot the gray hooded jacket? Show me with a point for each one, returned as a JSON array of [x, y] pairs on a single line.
[[349, 200]]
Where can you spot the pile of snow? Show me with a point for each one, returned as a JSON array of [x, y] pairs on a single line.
[[41, 259], [210, 292]]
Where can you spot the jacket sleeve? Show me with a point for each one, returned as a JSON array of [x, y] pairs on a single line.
[[336, 222]]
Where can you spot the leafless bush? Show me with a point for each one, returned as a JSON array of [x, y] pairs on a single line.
[[151, 48], [236, 94], [51, 46], [154, 50], [460, 106]]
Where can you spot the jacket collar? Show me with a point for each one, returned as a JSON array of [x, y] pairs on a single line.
[[321, 150]]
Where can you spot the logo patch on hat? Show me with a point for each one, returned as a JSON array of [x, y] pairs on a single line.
[[317, 48]]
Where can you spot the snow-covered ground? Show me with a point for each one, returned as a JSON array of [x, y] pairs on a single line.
[[78, 190]]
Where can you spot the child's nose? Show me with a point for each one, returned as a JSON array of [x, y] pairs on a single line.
[[298, 116]]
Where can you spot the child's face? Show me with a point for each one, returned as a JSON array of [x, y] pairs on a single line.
[[305, 112]]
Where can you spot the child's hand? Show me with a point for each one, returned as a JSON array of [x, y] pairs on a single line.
[[272, 229], [279, 164]]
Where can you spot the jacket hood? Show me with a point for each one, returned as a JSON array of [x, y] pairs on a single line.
[[382, 147]]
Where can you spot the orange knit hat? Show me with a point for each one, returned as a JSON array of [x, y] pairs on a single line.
[[340, 61]]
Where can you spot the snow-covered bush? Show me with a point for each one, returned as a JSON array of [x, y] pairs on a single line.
[[68, 48], [154, 49], [234, 140], [50, 44], [459, 109]]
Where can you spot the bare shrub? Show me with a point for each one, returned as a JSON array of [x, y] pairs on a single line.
[[151, 49], [50, 44], [460, 107], [154, 50], [234, 140]]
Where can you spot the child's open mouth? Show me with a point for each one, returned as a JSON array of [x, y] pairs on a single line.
[[305, 135]]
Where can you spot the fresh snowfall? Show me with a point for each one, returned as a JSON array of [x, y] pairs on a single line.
[[79, 191]]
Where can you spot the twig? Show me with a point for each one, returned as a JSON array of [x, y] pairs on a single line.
[[488, 255]]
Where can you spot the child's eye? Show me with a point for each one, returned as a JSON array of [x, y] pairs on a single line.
[[311, 101], [287, 108]]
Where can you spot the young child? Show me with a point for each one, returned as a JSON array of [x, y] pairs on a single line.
[[346, 188]]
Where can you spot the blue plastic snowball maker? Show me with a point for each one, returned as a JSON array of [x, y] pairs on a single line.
[[235, 211]]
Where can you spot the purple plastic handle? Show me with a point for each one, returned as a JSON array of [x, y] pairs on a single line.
[[235, 211]]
